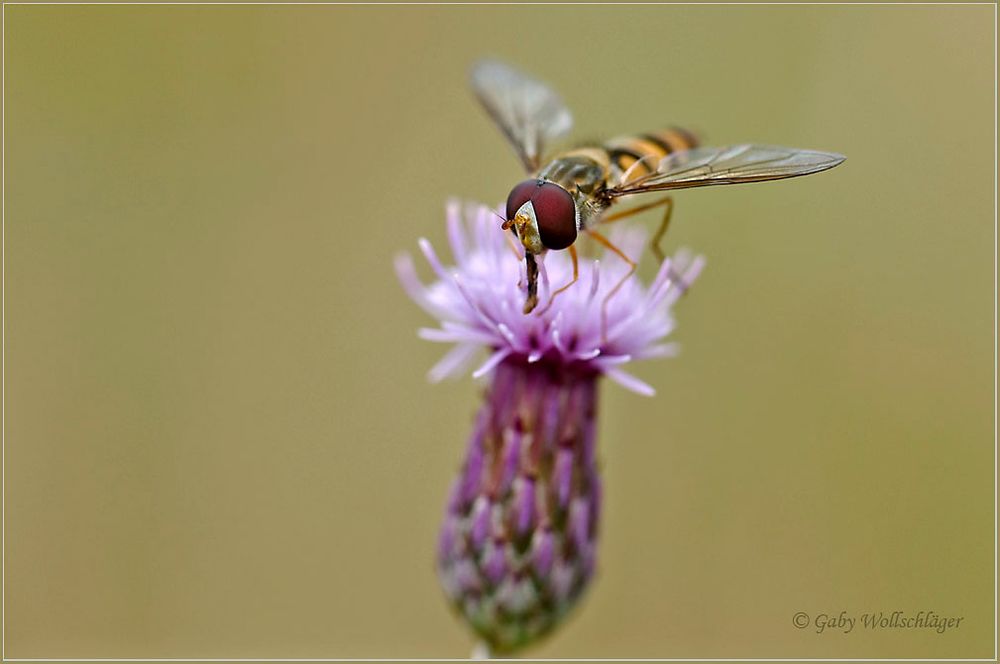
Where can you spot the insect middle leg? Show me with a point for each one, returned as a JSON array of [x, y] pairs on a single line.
[[576, 277], [655, 242], [606, 243]]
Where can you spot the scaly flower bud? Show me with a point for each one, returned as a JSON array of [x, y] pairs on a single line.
[[518, 544]]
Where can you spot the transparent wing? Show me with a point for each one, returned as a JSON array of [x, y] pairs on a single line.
[[735, 164], [527, 111]]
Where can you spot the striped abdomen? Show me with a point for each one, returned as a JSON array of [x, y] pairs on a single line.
[[638, 155]]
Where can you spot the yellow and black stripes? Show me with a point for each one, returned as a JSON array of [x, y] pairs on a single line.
[[642, 152]]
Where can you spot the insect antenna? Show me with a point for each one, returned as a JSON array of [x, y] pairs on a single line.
[[504, 222]]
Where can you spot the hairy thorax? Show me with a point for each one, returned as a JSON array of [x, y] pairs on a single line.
[[584, 174]]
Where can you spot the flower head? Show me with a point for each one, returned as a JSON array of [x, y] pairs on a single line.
[[479, 303], [518, 544]]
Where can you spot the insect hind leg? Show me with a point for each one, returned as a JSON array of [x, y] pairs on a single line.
[[655, 244], [607, 244]]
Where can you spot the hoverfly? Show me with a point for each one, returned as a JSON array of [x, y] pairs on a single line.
[[572, 191]]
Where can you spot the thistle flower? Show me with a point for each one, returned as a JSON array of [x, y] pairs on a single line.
[[518, 543]]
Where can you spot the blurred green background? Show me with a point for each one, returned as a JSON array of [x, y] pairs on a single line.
[[219, 437]]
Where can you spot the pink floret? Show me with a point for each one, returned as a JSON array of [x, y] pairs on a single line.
[[478, 302]]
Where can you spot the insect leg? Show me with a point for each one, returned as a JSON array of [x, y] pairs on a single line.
[[654, 244], [531, 267], [607, 298], [576, 276]]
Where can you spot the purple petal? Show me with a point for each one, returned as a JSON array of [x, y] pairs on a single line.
[[431, 256], [660, 350], [630, 382], [455, 335], [494, 359], [456, 231], [407, 274], [453, 362]]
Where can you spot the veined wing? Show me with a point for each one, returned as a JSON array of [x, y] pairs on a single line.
[[735, 164], [528, 112]]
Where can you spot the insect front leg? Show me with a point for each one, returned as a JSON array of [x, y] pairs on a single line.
[[531, 271]]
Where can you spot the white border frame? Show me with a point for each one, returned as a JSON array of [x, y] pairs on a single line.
[[3, 338]]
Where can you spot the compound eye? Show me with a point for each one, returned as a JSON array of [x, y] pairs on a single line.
[[520, 195], [556, 215]]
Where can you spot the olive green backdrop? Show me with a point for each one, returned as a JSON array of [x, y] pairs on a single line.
[[219, 437]]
